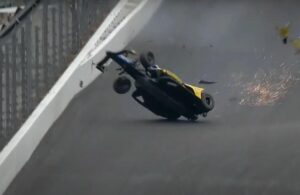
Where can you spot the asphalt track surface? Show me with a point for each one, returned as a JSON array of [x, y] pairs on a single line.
[[106, 143]]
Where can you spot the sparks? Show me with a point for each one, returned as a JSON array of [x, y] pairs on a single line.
[[267, 88]]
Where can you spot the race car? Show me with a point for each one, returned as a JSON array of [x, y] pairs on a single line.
[[167, 96]]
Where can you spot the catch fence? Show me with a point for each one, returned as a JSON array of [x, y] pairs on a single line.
[[36, 50]]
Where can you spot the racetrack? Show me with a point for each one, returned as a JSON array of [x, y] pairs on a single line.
[[106, 143]]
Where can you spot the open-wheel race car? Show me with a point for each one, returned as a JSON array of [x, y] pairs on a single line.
[[167, 95]]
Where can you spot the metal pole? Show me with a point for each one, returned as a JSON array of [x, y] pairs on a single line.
[[54, 47], [37, 65], [24, 94], [14, 86], [60, 36], [1, 92], [29, 67], [73, 10], [68, 41], [7, 92], [45, 47]]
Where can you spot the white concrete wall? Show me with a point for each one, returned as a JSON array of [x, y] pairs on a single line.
[[20, 148]]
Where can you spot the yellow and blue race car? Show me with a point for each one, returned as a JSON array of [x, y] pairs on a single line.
[[165, 95]]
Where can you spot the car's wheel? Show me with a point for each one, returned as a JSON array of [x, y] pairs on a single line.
[[122, 85], [147, 59], [208, 101]]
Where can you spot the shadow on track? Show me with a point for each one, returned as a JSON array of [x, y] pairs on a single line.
[[167, 122]]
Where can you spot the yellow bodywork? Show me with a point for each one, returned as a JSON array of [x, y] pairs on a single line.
[[172, 75], [284, 31], [197, 90], [296, 44]]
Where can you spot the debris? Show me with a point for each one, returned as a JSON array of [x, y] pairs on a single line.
[[296, 45], [284, 32]]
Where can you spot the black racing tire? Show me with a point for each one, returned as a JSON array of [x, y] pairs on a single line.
[[208, 101], [147, 59], [122, 85]]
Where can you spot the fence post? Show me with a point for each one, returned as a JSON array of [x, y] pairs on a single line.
[[68, 39], [73, 5], [45, 47], [24, 75], [1, 92], [75, 25], [54, 72], [37, 75], [60, 36], [7, 92], [29, 66], [14, 72]]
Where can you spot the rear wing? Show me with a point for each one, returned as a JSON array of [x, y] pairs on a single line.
[[112, 55], [100, 65]]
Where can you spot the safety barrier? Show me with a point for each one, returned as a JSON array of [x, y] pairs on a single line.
[[38, 49], [120, 27]]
